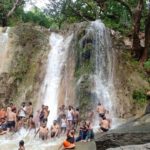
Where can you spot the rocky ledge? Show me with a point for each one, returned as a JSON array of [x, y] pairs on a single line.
[[133, 133]]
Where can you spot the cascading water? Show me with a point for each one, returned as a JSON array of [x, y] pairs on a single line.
[[103, 63], [56, 61], [103, 75], [3, 50]]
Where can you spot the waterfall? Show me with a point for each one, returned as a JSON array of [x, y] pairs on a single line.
[[104, 64], [56, 62], [3, 50], [103, 75], [102, 61]]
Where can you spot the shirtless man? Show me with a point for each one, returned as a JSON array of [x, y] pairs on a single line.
[[11, 119], [76, 117], [55, 129], [105, 124], [101, 110], [43, 132]]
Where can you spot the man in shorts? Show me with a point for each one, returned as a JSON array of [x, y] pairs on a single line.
[[101, 110]]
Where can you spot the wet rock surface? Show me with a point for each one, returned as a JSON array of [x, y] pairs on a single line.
[[133, 133]]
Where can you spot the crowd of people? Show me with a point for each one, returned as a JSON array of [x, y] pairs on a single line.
[[68, 122]]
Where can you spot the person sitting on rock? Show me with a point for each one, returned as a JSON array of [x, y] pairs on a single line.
[[69, 143], [43, 132], [105, 124], [90, 133], [82, 132]]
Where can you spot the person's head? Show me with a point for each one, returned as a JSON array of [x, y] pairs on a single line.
[[43, 106], [8, 109], [77, 109], [69, 107], [14, 110], [21, 143], [72, 132], [11, 104], [99, 104], [46, 107], [30, 103], [23, 104], [63, 106], [55, 122], [3, 120], [43, 124], [88, 123], [64, 116]]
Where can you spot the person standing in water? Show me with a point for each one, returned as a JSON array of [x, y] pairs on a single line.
[[101, 110], [21, 145], [11, 119], [43, 132]]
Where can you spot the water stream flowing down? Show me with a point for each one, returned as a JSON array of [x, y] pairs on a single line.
[[56, 61], [104, 64], [3, 50]]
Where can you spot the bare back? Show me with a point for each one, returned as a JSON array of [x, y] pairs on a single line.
[[101, 109]]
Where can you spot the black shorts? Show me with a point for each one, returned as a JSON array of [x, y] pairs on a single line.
[[104, 130], [53, 134], [102, 115], [10, 124]]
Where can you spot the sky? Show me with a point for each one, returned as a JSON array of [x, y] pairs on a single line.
[[39, 3]]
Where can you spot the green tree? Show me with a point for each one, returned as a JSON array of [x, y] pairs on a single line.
[[8, 8], [38, 17]]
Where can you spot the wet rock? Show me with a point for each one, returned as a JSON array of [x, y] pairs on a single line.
[[132, 133], [133, 147]]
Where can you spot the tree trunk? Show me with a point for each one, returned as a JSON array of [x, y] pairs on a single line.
[[147, 40], [136, 47]]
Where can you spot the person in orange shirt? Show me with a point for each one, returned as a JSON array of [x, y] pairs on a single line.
[[3, 113]]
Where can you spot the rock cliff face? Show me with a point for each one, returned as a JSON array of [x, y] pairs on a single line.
[[28, 48], [130, 79]]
